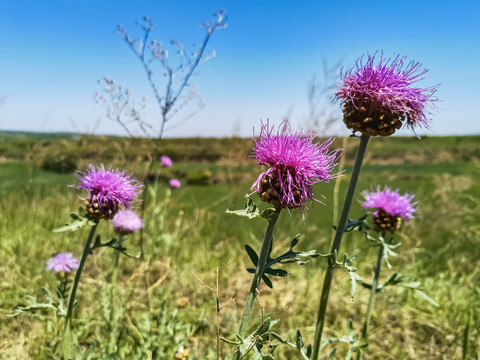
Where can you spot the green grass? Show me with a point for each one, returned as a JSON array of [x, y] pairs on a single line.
[[188, 232]]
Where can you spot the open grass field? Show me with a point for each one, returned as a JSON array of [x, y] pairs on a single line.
[[188, 235]]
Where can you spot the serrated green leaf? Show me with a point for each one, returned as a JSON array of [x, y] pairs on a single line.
[[252, 254]]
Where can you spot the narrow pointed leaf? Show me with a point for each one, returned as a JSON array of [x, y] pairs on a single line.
[[277, 272], [252, 254], [267, 281], [295, 241], [426, 297]]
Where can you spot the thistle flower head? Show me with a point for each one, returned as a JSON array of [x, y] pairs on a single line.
[[107, 190], [390, 207], [174, 183], [377, 95], [294, 164], [62, 262], [126, 222], [166, 161]]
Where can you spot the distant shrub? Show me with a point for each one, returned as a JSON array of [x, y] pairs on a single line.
[[60, 163], [18, 149], [199, 177]]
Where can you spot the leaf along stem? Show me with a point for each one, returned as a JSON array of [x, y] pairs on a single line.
[[260, 268]]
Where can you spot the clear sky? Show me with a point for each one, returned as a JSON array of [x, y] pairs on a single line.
[[54, 52]]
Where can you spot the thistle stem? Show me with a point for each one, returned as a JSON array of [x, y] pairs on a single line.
[[267, 243], [113, 295], [371, 301], [327, 282], [68, 319]]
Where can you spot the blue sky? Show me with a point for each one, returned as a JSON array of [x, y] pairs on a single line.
[[54, 52]]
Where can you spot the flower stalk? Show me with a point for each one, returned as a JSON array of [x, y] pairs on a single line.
[[259, 270], [327, 282], [68, 319], [371, 300]]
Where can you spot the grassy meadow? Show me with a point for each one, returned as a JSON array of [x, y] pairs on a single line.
[[165, 301]]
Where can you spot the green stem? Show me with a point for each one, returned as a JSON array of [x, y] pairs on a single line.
[[267, 241], [327, 282], [68, 319], [371, 301], [113, 309]]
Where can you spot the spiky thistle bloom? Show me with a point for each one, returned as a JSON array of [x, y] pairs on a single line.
[[391, 208], [174, 183], [294, 164], [377, 95], [108, 190], [166, 161], [63, 262], [126, 222]]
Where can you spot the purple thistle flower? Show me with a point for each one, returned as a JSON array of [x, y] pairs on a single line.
[[377, 96], [166, 161], [294, 164], [390, 207], [126, 222], [174, 183], [63, 262], [107, 190]]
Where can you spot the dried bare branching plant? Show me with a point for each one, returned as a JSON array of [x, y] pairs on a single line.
[[169, 82], [168, 75]]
